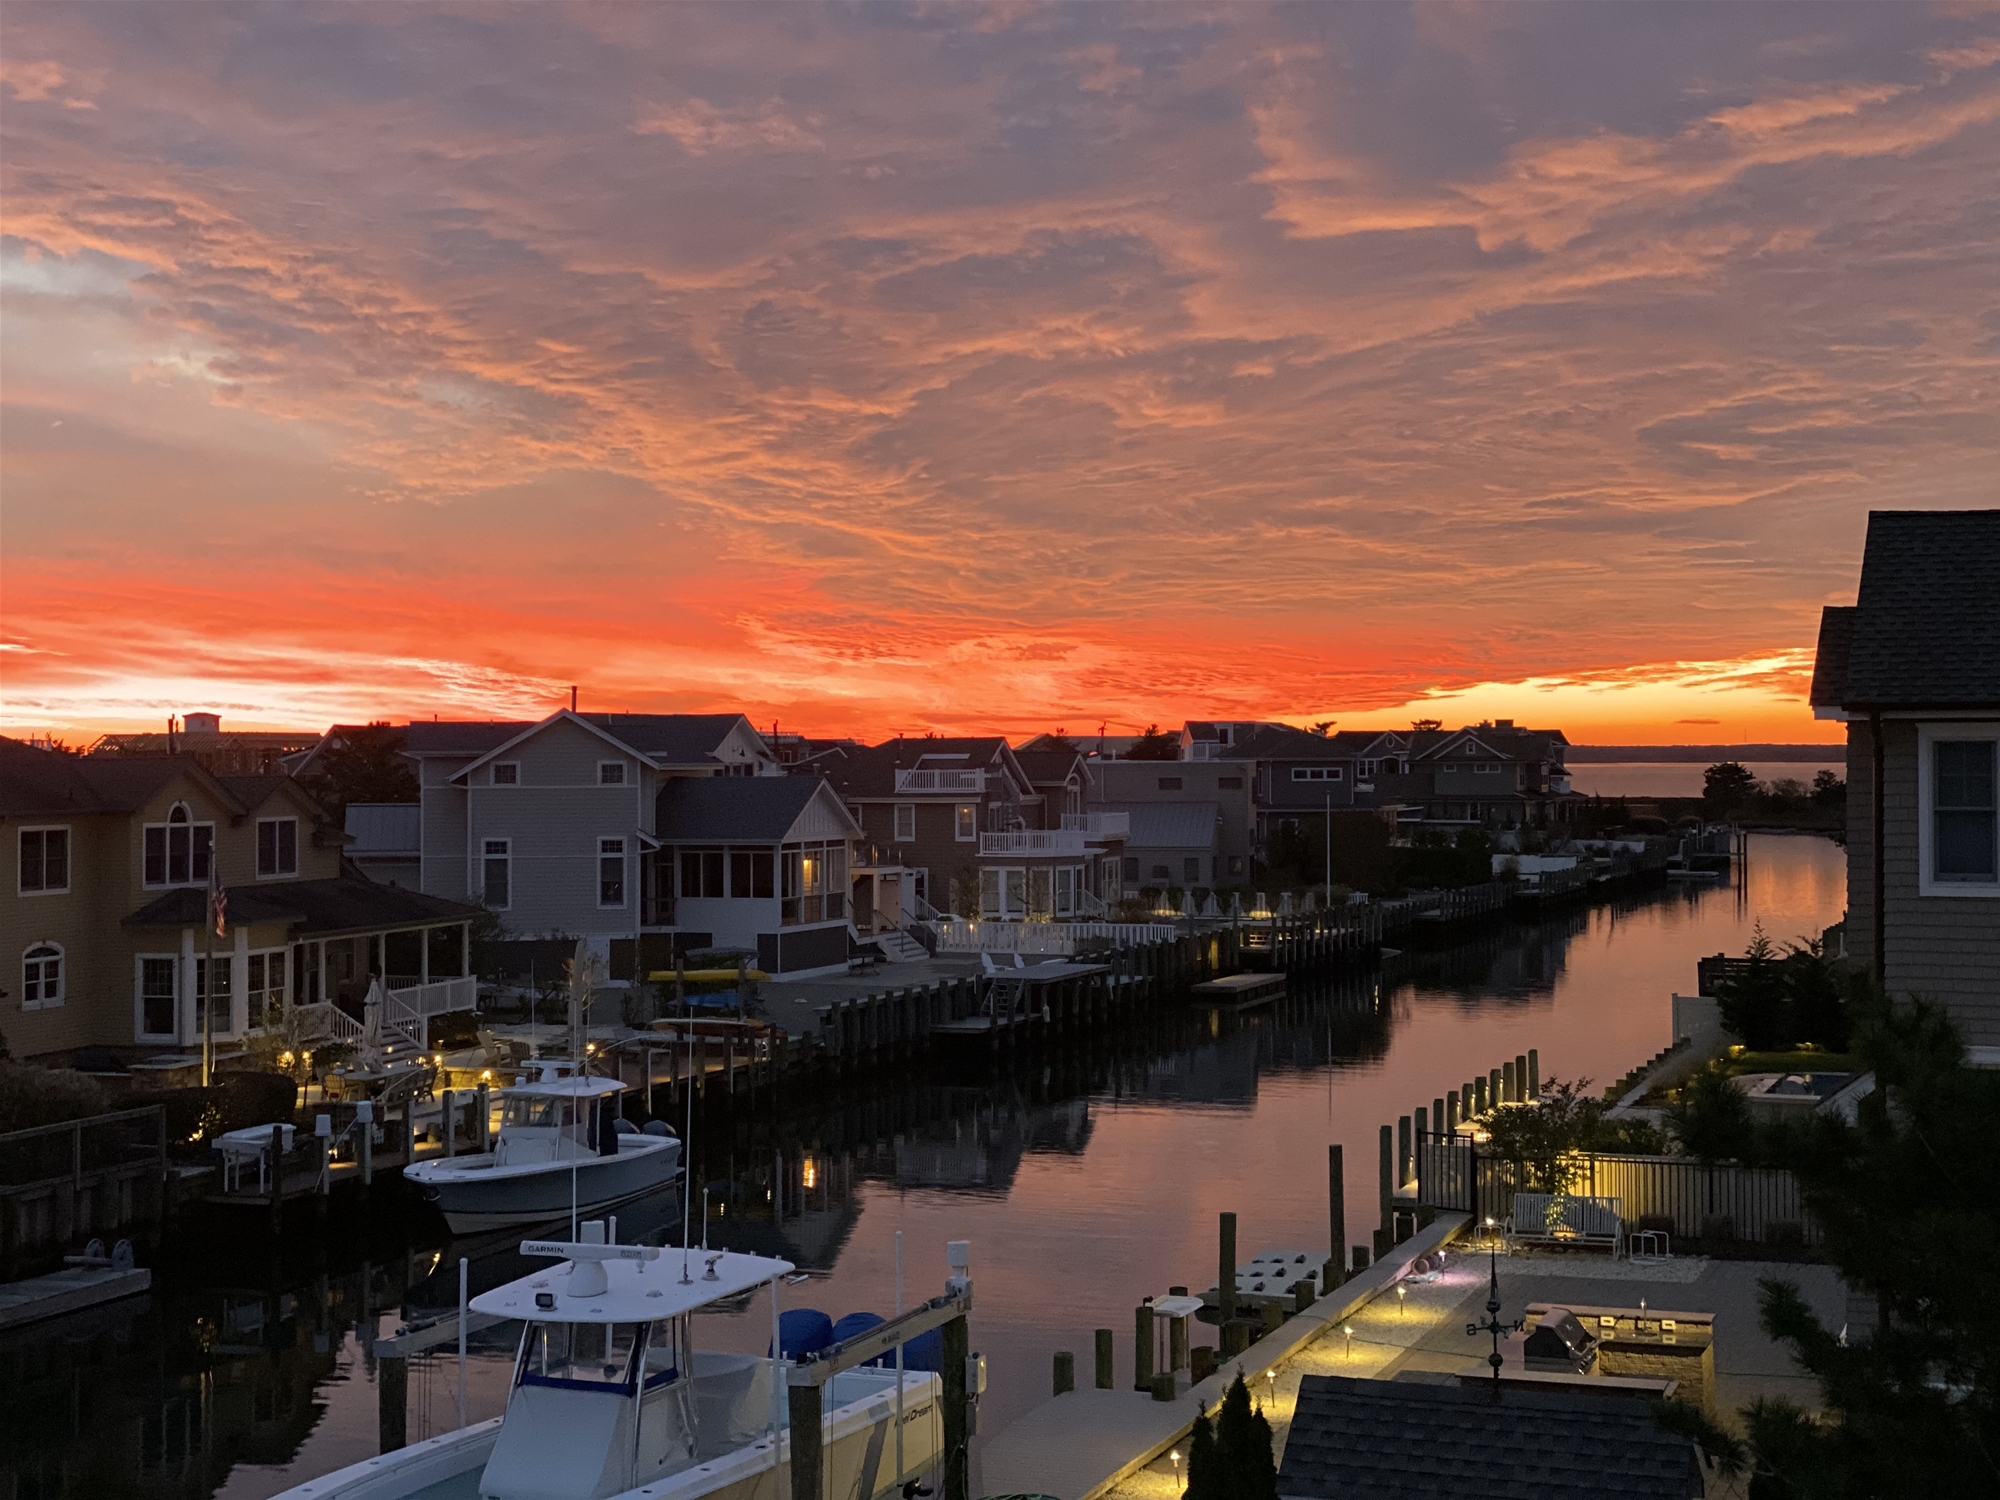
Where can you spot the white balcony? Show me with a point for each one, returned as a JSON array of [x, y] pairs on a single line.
[[930, 779], [1099, 825], [1056, 843]]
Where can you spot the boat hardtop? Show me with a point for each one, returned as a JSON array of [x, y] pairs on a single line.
[[625, 1283]]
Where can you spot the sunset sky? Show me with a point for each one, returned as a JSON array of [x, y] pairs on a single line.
[[948, 367]]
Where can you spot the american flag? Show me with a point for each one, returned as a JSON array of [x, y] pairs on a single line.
[[218, 901]]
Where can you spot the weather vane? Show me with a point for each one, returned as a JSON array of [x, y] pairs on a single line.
[[1493, 1325]]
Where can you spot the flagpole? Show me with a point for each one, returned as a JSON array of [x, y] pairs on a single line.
[[208, 990]]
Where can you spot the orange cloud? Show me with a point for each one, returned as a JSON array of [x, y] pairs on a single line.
[[887, 370]]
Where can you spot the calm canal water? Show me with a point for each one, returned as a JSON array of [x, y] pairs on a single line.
[[1083, 1188]]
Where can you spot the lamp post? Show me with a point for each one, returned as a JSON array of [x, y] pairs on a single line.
[[1349, 1331], [1175, 1456], [1402, 1295]]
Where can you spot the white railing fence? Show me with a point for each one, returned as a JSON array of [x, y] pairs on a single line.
[[1051, 938]]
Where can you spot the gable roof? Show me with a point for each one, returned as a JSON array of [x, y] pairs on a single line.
[[46, 782], [1052, 767], [460, 737], [1836, 638], [870, 771], [1926, 624], [662, 741], [1398, 1440], [738, 809]]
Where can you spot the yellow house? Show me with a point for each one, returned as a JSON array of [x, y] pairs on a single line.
[[108, 929]]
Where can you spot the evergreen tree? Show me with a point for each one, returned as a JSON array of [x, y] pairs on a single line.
[[1206, 1479], [1711, 1118], [1155, 744], [1754, 1001], [1727, 786], [1243, 1444], [1909, 1200], [365, 764]]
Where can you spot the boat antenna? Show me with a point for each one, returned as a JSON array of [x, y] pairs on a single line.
[[687, 1161]]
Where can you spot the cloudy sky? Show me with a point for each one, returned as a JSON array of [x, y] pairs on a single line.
[[884, 367]]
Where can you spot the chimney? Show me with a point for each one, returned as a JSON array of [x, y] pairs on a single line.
[[572, 698]]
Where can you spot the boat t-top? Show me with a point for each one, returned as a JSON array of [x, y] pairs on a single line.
[[611, 1399], [563, 1152]]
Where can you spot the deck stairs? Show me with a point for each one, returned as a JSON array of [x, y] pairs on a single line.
[[899, 947]]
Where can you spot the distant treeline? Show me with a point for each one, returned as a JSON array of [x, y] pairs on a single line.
[[1825, 755]]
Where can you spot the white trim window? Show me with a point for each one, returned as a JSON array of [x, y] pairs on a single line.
[[611, 773], [496, 874], [44, 861], [156, 998], [611, 873], [906, 823], [1318, 773], [277, 848], [42, 977], [506, 773], [178, 851], [264, 994], [965, 823], [1486, 768], [1958, 830]]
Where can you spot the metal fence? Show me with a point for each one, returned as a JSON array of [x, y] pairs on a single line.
[[1760, 1204]]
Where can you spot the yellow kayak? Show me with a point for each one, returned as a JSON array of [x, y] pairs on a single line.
[[701, 976]]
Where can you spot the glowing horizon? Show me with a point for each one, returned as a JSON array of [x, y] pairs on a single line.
[[978, 369]]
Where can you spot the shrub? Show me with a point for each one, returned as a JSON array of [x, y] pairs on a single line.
[[31, 1096], [1711, 1118]]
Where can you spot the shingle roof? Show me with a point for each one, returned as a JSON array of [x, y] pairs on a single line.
[[1049, 767], [672, 739], [1836, 636], [344, 904], [731, 809], [1168, 825], [1926, 628], [1400, 1440], [459, 737], [251, 792], [45, 781], [870, 770]]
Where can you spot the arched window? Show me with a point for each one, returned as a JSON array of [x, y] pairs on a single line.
[[42, 976], [178, 851]]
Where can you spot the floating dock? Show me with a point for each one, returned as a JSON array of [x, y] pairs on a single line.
[[1240, 991], [69, 1291]]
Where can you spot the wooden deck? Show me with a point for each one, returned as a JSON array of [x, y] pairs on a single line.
[[68, 1291], [1240, 991]]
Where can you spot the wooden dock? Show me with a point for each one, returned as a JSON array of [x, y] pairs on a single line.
[[1239, 991], [1080, 1445]]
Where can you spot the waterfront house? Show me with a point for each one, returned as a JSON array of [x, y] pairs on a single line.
[[219, 751], [759, 865], [544, 824], [108, 921], [1912, 668], [1219, 789], [385, 842]]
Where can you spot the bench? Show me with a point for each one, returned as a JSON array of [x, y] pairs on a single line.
[[864, 962], [1546, 1219]]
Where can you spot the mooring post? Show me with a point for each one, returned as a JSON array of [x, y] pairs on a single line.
[[1336, 1202], [1534, 1074], [1451, 1112], [1106, 1380], [957, 1411], [1225, 1268], [1493, 1094], [1387, 1166], [1509, 1092], [392, 1387], [1402, 1151], [1065, 1372], [808, 1435], [1357, 1259], [486, 1115], [364, 1119], [276, 1152], [1437, 1117], [1142, 1346], [446, 1124], [1522, 1094]]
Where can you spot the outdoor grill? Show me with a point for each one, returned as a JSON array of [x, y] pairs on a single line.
[[1559, 1343]]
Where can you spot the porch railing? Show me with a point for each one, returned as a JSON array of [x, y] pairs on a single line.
[[1051, 938], [418, 1000], [964, 779], [1053, 841], [1100, 825]]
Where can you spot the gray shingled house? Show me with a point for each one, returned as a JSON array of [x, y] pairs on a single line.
[[1913, 669]]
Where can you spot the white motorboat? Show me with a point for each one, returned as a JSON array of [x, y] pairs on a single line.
[[560, 1154], [610, 1399]]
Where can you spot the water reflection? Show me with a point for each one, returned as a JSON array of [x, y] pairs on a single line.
[[1085, 1183]]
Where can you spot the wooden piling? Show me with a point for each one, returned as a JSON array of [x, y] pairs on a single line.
[[1509, 1094], [1065, 1372], [957, 1412], [1336, 1200], [1142, 1347], [1402, 1151], [1521, 1093], [446, 1123], [1387, 1172], [392, 1389], [1451, 1112], [808, 1436], [1225, 1263], [1534, 1073], [1106, 1380]]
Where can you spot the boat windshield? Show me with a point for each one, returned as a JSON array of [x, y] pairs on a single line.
[[603, 1356], [533, 1110]]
